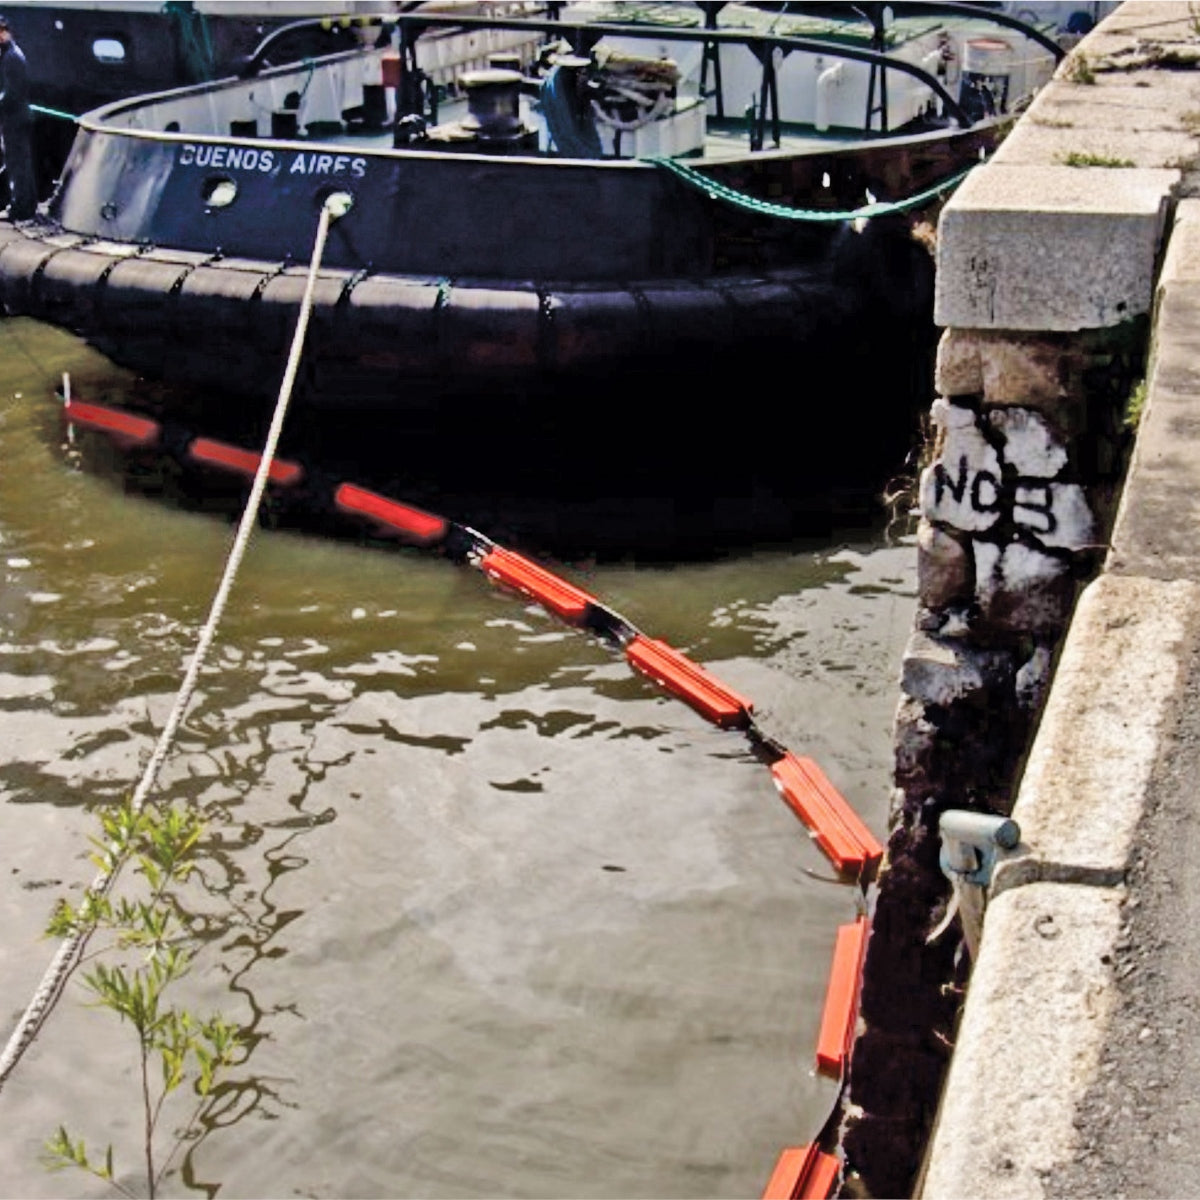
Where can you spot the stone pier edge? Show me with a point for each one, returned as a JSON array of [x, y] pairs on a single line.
[[1042, 991]]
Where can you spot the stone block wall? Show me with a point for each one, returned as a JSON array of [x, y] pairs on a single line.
[[1048, 258], [1022, 474], [1047, 261]]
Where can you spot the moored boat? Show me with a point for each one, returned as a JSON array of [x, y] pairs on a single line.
[[606, 189], [82, 54]]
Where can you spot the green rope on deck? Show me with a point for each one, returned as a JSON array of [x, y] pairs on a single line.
[[52, 112], [881, 208]]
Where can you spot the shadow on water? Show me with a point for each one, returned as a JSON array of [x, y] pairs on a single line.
[[665, 465], [687, 453]]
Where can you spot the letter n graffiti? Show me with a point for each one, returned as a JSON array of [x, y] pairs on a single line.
[[943, 483]]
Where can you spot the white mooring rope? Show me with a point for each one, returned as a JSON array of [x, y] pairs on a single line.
[[56, 974]]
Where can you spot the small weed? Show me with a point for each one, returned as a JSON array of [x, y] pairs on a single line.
[[1078, 69], [1050, 123], [1135, 404], [1077, 158]]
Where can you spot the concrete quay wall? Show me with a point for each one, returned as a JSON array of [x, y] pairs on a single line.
[[1058, 619]]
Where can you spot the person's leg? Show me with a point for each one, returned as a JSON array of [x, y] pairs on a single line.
[[18, 165]]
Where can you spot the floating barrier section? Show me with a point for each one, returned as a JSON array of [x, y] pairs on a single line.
[[690, 682], [802, 1173], [553, 593], [126, 428], [242, 462], [840, 1014], [416, 525], [837, 829]]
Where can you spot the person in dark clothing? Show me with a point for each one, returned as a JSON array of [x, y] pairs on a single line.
[[16, 124]]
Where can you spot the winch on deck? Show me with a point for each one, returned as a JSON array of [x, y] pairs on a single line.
[[608, 103], [493, 124]]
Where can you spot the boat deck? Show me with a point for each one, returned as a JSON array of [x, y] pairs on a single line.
[[722, 140]]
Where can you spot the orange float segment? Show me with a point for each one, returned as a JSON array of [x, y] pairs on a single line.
[[523, 575], [802, 1173], [820, 1178], [785, 1179], [417, 525], [840, 1014], [243, 462], [132, 430], [807, 791], [689, 681]]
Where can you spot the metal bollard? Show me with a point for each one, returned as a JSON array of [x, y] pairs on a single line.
[[971, 842]]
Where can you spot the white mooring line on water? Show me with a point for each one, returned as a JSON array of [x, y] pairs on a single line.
[[52, 983]]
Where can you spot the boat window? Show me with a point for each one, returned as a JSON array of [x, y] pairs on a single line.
[[108, 50], [220, 192]]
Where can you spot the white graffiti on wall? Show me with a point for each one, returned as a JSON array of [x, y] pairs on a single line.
[[976, 482]]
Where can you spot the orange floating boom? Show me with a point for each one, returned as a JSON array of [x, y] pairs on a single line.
[[840, 1015], [417, 525], [837, 828], [243, 462], [131, 430], [802, 1173], [690, 682], [553, 593]]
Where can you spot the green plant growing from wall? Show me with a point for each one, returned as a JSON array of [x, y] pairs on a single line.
[[153, 951], [1078, 69], [1135, 405]]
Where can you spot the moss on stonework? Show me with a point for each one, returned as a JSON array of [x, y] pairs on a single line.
[[1079, 158]]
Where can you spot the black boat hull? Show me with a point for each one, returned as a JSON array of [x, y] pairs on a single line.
[[392, 341]]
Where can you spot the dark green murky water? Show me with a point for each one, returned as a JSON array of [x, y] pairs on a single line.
[[500, 918]]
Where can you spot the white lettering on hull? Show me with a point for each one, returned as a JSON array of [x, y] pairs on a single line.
[[328, 164], [252, 158], [229, 158]]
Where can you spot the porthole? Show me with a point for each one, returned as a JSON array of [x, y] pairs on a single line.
[[220, 192], [108, 50]]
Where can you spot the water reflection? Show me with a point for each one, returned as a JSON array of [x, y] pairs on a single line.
[[497, 916]]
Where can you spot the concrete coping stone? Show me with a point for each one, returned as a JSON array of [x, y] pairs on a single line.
[[1029, 1044], [1154, 531], [1110, 706], [1051, 248], [1182, 262], [1032, 144]]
